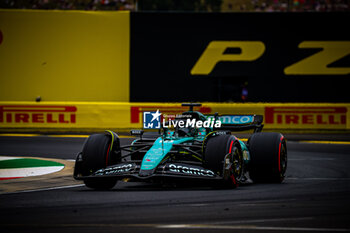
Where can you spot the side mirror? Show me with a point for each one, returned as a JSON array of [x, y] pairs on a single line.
[[137, 132]]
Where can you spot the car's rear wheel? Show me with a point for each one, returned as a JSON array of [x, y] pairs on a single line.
[[96, 155], [216, 151], [268, 153]]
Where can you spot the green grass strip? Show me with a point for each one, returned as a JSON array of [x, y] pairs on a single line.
[[24, 163]]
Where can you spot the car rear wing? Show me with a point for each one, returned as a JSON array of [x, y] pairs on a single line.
[[239, 122]]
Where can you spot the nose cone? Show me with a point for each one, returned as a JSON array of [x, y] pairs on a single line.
[[145, 173]]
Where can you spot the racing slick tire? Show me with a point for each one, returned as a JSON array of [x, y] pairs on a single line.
[[268, 153], [96, 155], [214, 159]]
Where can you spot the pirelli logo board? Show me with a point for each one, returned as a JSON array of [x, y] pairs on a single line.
[[42, 114], [331, 117], [86, 116]]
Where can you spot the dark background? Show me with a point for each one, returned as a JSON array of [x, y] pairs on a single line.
[[165, 47]]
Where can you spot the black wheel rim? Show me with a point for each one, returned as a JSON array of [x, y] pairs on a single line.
[[237, 160], [283, 158]]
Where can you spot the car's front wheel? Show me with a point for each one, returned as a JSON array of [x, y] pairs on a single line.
[[221, 151], [96, 155]]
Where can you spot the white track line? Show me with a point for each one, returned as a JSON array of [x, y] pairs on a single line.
[[29, 171], [318, 178], [312, 159], [3, 158], [190, 226], [249, 227], [261, 220]]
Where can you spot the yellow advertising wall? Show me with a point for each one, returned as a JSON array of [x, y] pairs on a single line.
[[83, 116], [64, 55]]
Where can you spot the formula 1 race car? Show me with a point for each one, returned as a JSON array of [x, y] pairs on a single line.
[[187, 151]]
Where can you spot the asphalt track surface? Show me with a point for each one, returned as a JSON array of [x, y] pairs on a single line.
[[315, 197]]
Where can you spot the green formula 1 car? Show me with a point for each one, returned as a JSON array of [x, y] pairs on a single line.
[[190, 147]]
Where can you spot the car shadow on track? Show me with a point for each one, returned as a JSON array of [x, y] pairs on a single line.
[[140, 186]]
